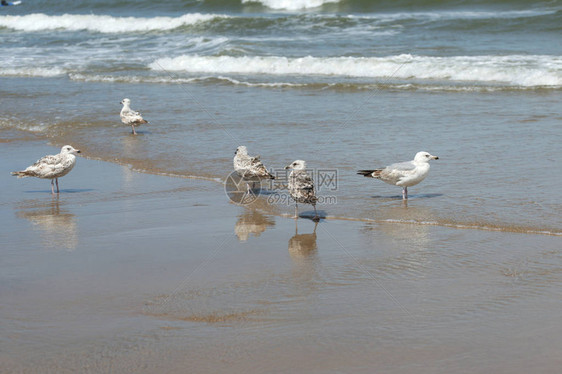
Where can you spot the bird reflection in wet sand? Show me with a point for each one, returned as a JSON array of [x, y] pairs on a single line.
[[252, 222], [408, 224], [302, 246], [57, 226]]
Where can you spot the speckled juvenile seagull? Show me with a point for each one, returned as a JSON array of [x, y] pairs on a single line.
[[301, 187], [129, 116], [403, 174], [249, 168], [51, 167]]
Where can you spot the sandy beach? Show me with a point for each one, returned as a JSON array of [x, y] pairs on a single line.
[[132, 272]]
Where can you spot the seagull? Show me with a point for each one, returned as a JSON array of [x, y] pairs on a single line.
[[403, 174], [130, 117], [51, 167], [301, 187], [249, 168]]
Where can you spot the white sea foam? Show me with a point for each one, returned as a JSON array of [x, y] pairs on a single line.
[[291, 4], [18, 124], [31, 72], [101, 23], [175, 80], [457, 15], [515, 70]]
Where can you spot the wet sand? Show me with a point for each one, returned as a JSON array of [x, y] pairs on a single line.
[[131, 272]]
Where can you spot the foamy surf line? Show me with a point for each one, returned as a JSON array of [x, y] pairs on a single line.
[[316, 85], [291, 4], [31, 72], [102, 23], [514, 70], [178, 80], [461, 226]]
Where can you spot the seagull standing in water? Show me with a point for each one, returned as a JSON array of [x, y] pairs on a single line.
[[249, 168], [51, 167], [403, 174], [301, 187], [130, 117]]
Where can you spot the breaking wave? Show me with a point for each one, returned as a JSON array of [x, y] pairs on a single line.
[[514, 70], [102, 23]]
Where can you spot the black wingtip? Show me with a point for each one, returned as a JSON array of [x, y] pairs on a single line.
[[365, 173]]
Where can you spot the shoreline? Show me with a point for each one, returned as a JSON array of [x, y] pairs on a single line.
[[274, 210]]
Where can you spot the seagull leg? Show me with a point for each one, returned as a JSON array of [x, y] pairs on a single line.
[[57, 182], [134, 132], [316, 218], [296, 210], [52, 186], [405, 193]]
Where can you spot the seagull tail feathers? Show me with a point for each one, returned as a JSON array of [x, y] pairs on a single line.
[[367, 173], [20, 174]]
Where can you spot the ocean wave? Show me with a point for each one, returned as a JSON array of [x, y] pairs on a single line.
[[291, 4], [518, 70], [177, 80], [438, 15], [339, 86], [102, 23], [31, 72]]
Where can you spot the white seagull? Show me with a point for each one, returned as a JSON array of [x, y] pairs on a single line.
[[403, 174], [129, 116], [301, 187], [249, 168], [51, 167]]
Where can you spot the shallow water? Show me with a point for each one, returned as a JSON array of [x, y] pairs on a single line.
[[342, 85], [498, 150]]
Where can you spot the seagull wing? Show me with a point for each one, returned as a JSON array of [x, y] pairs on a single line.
[[394, 173], [301, 187], [130, 116]]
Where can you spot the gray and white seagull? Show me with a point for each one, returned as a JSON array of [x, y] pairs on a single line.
[[51, 167], [249, 168], [403, 174], [130, 117], [301, 187]]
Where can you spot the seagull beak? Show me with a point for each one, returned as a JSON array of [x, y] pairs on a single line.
[[287, 167], [77, 151], [435, 158]]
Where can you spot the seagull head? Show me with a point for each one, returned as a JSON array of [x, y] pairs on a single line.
[[241, 151], [69, 149], [424, 157], [297, 165], [125, 101]]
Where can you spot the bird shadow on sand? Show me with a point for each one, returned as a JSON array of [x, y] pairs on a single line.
[[410, 196], [70, 190], [310, 215]]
